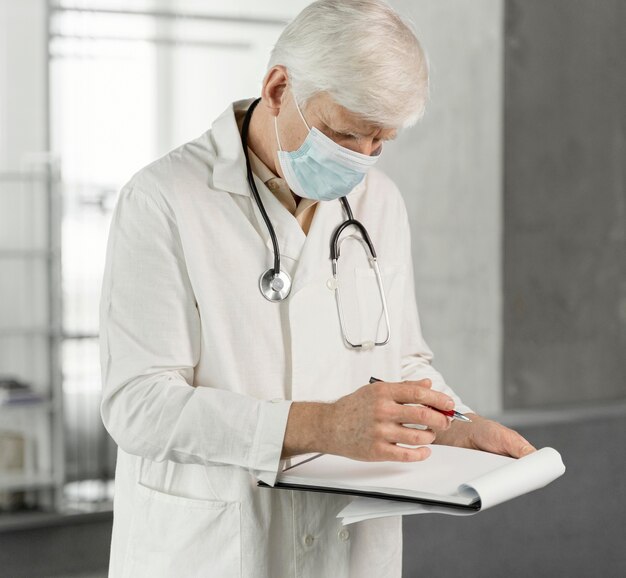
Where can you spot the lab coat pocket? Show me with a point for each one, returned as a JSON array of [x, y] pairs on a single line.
[[172, 535], [373, 326]]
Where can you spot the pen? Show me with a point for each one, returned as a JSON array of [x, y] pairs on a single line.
[[449, 412]]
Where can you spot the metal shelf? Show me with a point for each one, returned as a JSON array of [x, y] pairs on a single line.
[[23, 176], [29, 406], [45, 331], [27, 253], [11, 521], [29, 331], [39, 423], [21, 482]]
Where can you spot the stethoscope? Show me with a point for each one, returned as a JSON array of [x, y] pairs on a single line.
[[275, 284]]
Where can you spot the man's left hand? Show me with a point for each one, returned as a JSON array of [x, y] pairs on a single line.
[[487, 435]]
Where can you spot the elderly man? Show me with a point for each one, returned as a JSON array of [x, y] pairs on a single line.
[[222, 358]]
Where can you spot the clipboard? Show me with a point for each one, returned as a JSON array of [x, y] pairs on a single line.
[[473, 506], [451, 478]]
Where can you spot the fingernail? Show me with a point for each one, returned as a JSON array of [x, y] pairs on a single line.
[[450, 404]]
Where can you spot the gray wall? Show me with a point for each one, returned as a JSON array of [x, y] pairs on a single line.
[[564, 279], [575, 527], [449, 170], [564, 202], [540, 319]]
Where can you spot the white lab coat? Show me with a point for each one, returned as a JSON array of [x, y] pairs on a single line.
[[199, 370]]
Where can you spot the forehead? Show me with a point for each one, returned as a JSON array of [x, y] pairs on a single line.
[[340, 118]]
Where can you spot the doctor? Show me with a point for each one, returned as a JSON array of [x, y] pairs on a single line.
[[209, 381]]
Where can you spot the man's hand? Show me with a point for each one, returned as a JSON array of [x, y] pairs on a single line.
[[367, 424], [487, 435]]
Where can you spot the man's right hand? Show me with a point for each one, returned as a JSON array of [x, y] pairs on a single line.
[[367, 424]]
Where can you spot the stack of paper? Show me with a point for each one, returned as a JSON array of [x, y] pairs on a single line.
[[452, 480]]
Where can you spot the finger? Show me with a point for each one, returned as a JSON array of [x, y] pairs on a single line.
[[409, 393], [394, 453], [410, 436], [426, 382], [421, 382], [525, 448], [518, 446], [419, 414]]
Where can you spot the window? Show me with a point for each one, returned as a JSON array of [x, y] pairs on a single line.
[[125, 88]]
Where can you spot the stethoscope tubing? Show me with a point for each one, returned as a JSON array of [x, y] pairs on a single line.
[[255, 192], [334, 240]]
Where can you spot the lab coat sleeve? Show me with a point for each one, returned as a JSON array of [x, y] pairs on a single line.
[[416, 355], [149, 346]]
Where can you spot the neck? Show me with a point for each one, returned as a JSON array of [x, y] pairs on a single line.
[[261, 136]]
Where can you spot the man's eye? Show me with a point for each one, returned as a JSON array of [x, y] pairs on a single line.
[[343, 135]]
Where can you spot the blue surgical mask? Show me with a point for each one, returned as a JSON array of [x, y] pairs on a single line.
[[321, 169]]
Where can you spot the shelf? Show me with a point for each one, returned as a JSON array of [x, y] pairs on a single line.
[[22, 177], [76, 336], [26, 331], [21, 481], [20, 520], [43, 405], [27, 253], [40, 422]]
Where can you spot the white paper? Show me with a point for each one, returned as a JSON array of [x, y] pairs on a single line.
[[439, 476], [512, 479], [521, 476], [367, 508]]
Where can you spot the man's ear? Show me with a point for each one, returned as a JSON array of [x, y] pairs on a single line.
[[274, 88]]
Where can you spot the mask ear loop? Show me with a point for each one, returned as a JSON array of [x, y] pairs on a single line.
[[280, 148], [301, 115]]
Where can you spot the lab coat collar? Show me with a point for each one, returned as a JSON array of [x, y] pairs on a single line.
[[229, 174], [229, 167]]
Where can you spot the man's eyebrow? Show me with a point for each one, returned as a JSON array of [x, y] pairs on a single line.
[[327, 124], [365, 135], [342, 129], [348, 130]]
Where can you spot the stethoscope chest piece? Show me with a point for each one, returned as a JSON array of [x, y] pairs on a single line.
[[275, 287]]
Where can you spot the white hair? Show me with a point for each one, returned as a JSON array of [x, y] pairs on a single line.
[[362, 53]]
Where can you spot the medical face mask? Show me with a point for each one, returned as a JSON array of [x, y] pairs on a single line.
[[321, 169]]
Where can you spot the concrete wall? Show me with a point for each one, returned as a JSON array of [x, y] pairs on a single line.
[[565, 202], [449, 170], [575, 527]]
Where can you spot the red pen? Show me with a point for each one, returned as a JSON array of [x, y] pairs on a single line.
[[449, 412]]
